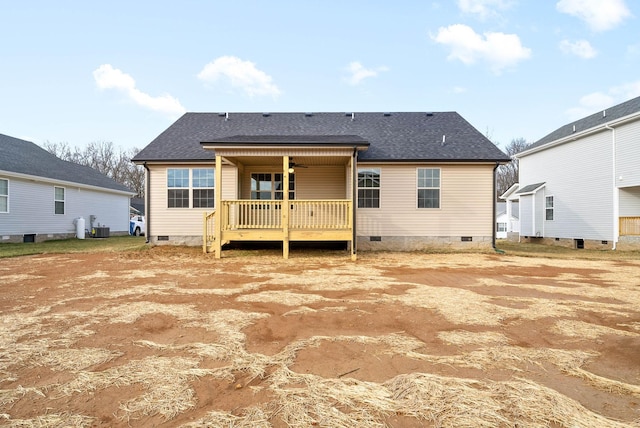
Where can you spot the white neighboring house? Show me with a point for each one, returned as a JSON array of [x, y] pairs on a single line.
[[42, 197], [580, 185], [507, 220]]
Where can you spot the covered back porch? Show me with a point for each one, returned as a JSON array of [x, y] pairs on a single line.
[[284, 189]]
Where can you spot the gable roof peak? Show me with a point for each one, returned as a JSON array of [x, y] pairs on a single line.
[[595, 120]]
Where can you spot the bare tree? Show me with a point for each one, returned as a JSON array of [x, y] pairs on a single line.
[[103, 157], [507, 175]]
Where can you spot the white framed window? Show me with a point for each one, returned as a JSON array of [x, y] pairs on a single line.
[[190, 188], [58, 200], [428, 187], [368, 187], [268, 186], [178, 187], [501, 227], [203, 183], [548, 208], [4, 195]]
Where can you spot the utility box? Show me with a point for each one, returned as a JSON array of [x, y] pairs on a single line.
[[100, 232]]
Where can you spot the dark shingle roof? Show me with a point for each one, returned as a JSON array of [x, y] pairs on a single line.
[[25, 157], [392, 137], [597, 119], [530, 188]]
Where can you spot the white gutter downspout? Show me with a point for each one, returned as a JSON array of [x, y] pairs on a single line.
[[616, 191], [147, 203]]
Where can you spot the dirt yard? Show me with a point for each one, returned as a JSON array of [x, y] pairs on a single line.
[[171, 337]]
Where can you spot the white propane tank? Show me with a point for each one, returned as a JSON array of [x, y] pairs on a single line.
[[79, 227]]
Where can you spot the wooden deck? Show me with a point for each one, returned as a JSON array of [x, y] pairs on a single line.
[[265, 220]]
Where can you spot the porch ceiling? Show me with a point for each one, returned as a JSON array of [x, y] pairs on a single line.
[[298, 160]]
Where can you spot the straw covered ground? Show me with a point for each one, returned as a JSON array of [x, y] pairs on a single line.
[[172, 337]]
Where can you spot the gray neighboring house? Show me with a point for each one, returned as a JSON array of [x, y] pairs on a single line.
[[580, 185], [399, 181], [42, 197]]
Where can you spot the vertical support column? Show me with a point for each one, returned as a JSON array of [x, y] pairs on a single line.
[[218, 208], [204, 232], [285, 207], [354, 202]]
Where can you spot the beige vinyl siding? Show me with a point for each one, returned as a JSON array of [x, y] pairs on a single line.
[[181, 221], [465, 203], [327, 182], [314, 182]]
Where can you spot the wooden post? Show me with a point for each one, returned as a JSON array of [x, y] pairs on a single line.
[[204, 232], [218, 208], [285, 207]]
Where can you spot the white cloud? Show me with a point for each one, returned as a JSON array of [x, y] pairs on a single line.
[[459, 90], [581, 48], [359, 73], [241, 74], [483, 8], [633, 50], [600, 15], [598, 101], [499, 50], [626, 91], [107, 77]]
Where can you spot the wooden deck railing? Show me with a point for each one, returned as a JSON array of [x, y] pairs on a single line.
[[208, 231], [320, 214], [629, 226], [303, 214], [257, 219]]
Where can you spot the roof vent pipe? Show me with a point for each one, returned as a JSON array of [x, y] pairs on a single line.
[[574, 128], [353, 116], [226, 116], [444, 139], [604, 113]]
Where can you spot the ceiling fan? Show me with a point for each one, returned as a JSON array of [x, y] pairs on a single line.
[[293, 164]]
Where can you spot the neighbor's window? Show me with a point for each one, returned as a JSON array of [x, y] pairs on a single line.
[[4, 196], [58, 199], [178, 187], [428, 187], [502, 227], [369, 188], [549, 208], [269, 186], [203, 187]]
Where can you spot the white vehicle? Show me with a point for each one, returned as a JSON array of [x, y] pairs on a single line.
[[137, 225]]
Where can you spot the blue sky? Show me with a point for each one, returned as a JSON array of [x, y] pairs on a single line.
[[123, 71]]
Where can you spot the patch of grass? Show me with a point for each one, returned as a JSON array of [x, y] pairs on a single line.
[[556, 251], [62, 246]]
